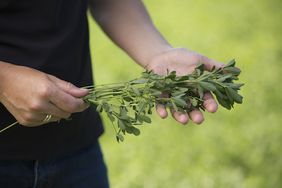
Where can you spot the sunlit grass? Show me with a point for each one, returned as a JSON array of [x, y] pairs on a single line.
[[238, 148]]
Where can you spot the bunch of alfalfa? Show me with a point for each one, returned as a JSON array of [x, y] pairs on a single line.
[[129, 104]]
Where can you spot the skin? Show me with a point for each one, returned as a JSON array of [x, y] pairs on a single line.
[[128, 24], [30, 95]]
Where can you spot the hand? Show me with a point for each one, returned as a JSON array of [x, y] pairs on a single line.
[[31, 95], [183, 62]]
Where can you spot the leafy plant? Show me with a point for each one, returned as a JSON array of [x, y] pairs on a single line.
[[129, 104]]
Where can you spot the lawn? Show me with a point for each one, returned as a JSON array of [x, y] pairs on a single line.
[[240, 148]]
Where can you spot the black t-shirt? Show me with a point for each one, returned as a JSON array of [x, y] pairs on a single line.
[[50, 36]]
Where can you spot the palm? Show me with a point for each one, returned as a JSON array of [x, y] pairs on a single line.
[[183, 62]]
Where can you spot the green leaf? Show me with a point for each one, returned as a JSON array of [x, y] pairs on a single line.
[[139, 81], [119, 137], [218, 94], [194, 102], [127, 98], [136, 91], [110, 116], [99, 108], [223, 78], [159, 85], [236, 97], [179, 102], [224, 103], [174, 106], [168, 81], [139, 118], [145, 118], [231, 100], [232, 70], [182, 78], [235, 86], [200, 92], [178, 94], [141, 106], [201, 68], [151, 105], [135, 131], [182, 89], [106, 106], [123, 111], [155, 92], [207, 86], [231, 63], [121, 125]]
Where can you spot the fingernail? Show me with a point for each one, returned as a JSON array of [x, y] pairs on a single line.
[[86, 105], [199, 119], [183, 118], [84, 89], [163, 113]]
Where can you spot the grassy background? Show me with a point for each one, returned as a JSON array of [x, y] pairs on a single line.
[[238, 148]]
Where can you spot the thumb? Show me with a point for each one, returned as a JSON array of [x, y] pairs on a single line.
[[69, 87]]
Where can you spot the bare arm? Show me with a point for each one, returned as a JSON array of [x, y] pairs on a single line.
[[128, 24]]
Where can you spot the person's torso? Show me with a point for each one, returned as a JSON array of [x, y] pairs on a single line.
[[50, 36]]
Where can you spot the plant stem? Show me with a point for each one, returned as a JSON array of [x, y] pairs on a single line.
[[9, 126]]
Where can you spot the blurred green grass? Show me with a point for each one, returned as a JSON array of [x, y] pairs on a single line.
[[234, 149]]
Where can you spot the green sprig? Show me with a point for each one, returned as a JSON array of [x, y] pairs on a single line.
[[129, 104]]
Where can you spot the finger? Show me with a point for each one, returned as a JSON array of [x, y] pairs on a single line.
[[209, 63], [209, 103], [69, 87], [67, 102], [161, 110], [196, 116], [55, 111], [42, 122], [32, 120], [53, 119], [181, 117]]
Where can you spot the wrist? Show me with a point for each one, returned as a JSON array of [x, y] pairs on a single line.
[[155, 52], [4, 69], [155, 55]]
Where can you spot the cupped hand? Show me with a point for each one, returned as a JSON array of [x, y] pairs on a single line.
[[183, 61], [31, 95]]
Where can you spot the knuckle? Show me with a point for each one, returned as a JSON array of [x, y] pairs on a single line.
[[24, 122], [179, 51], [203, 58], [69, 85], [44, 91], [27, 118], [73, 107], [182, 50], [197, 58], [35, 105]]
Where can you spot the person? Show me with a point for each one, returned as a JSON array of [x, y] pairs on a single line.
[[45, 62]]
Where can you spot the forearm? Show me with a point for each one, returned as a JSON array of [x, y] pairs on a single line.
[[128, 24], [4, 67]]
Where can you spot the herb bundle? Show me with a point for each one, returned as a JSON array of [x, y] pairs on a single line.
[[129, 104]]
